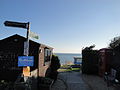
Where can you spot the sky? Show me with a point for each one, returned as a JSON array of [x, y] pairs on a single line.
[[66, 25]]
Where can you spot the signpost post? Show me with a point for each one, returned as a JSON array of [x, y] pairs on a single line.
[[27, 68], [25, 26]]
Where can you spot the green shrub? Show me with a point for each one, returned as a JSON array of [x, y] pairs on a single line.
[[89, 61], [54, 66]]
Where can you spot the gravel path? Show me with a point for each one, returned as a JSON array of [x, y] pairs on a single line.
[[70, 81], [78, 81], [97, 83]]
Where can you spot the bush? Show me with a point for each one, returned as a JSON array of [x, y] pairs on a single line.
[[89, 61], [55, 63], [54, 66]]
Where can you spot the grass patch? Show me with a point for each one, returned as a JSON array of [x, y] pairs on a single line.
[[64, 70], [68, 68], [75, 69]]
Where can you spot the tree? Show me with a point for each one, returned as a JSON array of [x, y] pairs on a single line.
[[114, 42], [90, 47]]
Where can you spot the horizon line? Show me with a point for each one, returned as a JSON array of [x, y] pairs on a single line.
[[67, 52]]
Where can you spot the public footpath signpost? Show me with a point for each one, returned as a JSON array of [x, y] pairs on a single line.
[[23, 61]]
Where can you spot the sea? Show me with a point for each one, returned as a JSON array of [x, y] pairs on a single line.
[[67, 58]]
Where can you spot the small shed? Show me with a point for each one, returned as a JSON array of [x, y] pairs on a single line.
[[77, 60], [105, 59], [12, 47]]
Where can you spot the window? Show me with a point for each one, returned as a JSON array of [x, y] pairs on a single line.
[[48, 54]]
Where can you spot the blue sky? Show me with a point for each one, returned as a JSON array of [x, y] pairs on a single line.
[[66, 25]]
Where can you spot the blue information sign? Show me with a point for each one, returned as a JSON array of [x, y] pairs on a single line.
[[25, 61]]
